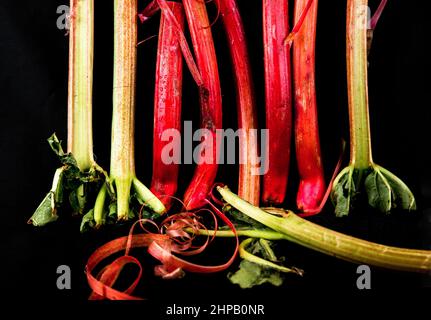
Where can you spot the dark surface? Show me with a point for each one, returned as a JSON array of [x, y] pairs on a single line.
[[33, 91]]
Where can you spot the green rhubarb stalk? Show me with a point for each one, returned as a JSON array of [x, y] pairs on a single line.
[[79, 169], [259, 265], [315, 237], [80, 98], [243, 253], [123, 174], [251, 233], [385, 191]]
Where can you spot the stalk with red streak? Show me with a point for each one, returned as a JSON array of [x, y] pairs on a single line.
[[167, 105], [210, 101], [249, 180], [309, 159], [278, 100]]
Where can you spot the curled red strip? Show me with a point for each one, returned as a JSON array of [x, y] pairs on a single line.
[[170, 238]]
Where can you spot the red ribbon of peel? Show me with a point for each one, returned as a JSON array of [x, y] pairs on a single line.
[[213, 196], [170, 238]]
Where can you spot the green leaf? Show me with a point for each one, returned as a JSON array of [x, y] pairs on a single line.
[[88, 223], [379, 191], [251, 274], [403, 197], [69, 160], [66, 159], [45, 212], [55, 145], [132, 214], [58, 186], [344, 191], [77, 199]]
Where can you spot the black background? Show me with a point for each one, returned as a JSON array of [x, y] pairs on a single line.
[[33, 103]]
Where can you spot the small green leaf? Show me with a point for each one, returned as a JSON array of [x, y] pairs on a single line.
[[55, 145], [45, 212], [69, 160], [259, 265], [58, 186], [132, 214], [379, 191], [251, 274], [344, 191], [403, 196], [88, 223]]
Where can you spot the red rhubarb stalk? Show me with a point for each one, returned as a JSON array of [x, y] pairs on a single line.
[[312, 183], [375, 19], [150, 10], [249, 179], [278, 100], [373, 23], [210, 101], [167, 106]]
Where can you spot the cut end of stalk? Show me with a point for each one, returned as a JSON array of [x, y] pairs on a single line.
[[195, 198], [310, 194], [145, 195], [123, 187]]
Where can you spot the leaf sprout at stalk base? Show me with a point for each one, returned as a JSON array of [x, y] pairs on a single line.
[[385, 191]]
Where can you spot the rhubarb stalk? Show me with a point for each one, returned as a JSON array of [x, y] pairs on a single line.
[[308, 154], [210, 103], [167, 105], [79, 172], [385, 191], [278, 100], [315, 237], [122, 143], [249, 179]]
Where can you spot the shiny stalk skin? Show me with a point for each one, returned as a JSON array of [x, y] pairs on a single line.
[[278, 100], [249, 179], [309, 159], [315, 237], [167, 104], [357, 83], [210, 101]]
